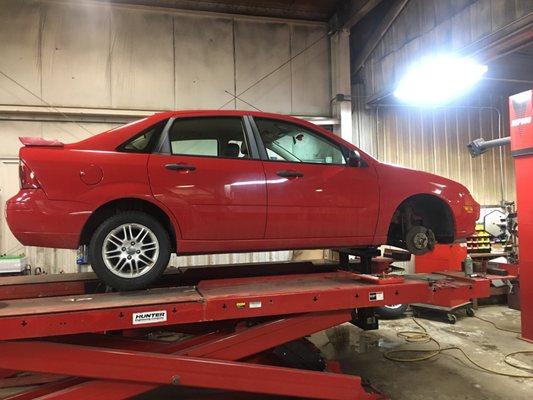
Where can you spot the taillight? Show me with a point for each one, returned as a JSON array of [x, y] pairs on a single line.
[[28, 180]]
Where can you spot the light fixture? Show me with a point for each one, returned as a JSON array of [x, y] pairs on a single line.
[[438, 80]]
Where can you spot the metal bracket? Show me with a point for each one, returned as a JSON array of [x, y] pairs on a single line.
[[365, 318]]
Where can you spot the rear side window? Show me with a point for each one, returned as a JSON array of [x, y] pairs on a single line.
[[205, 147], [145, 141], [209, 136]]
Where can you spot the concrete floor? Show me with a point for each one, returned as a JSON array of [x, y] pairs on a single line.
[[447, 376], [444, 377]]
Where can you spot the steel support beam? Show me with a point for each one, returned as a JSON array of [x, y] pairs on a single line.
[[187, 371], [30, 380], [47, 389], [6, 373], [341, 103], [220, 346], [99, 115]]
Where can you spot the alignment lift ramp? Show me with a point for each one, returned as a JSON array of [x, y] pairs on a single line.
[[246, 326]]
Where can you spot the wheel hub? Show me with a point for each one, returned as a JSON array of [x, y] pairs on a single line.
[[421, 240], [132, 249]]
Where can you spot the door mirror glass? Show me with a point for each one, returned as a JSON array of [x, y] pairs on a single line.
[[354, 159]]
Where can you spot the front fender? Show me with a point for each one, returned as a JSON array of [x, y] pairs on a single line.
[[398, 184]]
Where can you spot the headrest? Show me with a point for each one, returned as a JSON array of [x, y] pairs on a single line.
[[232, 150], [244, 149]]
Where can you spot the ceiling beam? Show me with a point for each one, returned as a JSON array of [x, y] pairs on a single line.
[[277, 9], [510, 39], [511, 67], [353, 12], [380, 31]]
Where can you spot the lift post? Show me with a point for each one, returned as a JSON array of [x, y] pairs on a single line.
[[237, 321], [521, 116]]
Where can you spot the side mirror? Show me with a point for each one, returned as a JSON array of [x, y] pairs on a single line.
[[354, 159]]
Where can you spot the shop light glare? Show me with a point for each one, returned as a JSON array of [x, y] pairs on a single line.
[[438, 80]]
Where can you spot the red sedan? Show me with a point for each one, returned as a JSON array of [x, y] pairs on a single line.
[[199, 182]]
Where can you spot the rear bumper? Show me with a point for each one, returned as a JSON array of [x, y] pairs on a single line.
[[35, 220]]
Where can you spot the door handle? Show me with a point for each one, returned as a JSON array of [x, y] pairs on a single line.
[[289, 174], [180, 167]]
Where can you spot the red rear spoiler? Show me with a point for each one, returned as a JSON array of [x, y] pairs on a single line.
[[39, 141]]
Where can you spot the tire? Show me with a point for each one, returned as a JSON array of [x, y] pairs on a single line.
[[137, 250], [392, 311], [419, 240]]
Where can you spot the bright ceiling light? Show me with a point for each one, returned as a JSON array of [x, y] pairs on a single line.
[[438, 80]]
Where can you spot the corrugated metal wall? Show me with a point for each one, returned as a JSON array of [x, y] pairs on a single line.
[[84, 54], [435, 141], [435, 26]]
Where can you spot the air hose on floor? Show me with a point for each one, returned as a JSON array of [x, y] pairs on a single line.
[[415, 355]]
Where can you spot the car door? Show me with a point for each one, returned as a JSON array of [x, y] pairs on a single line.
[[312, 191], [207, 176]]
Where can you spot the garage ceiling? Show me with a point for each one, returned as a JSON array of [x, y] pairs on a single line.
[[317, 10], [512, 72]]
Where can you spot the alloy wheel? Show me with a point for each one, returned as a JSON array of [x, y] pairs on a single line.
[[130, 250]]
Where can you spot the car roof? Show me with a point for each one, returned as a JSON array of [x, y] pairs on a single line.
[[109, 140], [239, 113]]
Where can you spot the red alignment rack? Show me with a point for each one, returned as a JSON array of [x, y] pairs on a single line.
[[236, 320]]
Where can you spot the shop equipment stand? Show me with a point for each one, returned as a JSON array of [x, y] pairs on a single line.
[[449, 314]]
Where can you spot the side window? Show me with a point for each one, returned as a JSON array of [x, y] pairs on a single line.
[[209, 136], [289, 142], [194, 147], [145, 141]]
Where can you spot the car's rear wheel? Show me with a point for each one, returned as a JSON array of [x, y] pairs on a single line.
[[130, 250]]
